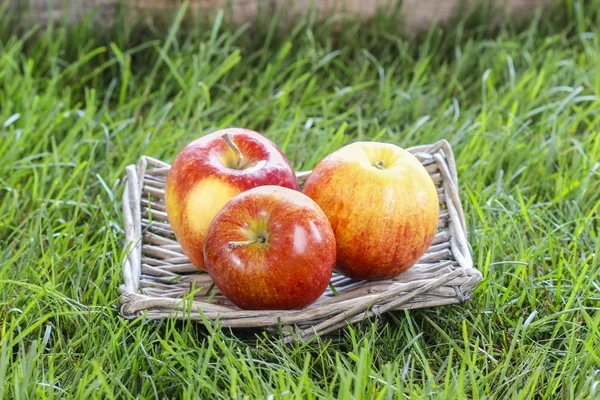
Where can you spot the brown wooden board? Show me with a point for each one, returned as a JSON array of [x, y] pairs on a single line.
[[415, 13]]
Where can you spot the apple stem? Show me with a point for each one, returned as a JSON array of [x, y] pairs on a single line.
[[234, 147], [379, 165], [233, 245]]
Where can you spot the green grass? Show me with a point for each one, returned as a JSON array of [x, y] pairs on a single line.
[[519, 103]]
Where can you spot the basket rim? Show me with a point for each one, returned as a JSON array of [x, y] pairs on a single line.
[[460, 275]]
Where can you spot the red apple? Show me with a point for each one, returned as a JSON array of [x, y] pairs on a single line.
[[212, 170], [382, 205], [270, 248]]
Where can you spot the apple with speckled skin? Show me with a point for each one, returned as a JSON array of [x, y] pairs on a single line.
[[382, 204], [212, 170], [270, 248]]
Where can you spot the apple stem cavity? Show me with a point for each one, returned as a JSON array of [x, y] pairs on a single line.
[[379, 165], [235, 149], [259, 240]]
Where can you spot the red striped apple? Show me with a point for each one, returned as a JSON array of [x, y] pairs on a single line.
[[212, 170], [382, 205], [270, 248]]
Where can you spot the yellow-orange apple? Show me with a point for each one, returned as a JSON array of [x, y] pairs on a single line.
[[209, 172], [382, 205], [270, 248]]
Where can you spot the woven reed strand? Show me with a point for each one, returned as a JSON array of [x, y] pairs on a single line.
[[160, 282]]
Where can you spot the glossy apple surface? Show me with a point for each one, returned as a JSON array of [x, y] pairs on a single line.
[[270, 248], [382, 205], [212, 170]]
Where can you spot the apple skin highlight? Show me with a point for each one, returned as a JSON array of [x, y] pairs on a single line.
[[382, 205], [271, 248], [206, 175]]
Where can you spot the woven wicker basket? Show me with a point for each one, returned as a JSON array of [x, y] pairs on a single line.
[[160, 281]]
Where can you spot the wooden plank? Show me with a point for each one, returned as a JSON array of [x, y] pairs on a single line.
[[38, 11], [415, 13]]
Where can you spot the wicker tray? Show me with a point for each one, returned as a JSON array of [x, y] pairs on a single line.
[[160, 281]]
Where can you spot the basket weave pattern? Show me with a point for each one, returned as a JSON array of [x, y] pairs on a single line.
[[160, 281]]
